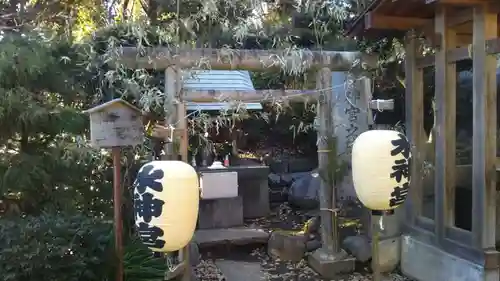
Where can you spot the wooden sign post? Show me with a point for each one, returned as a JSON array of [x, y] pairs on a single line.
[[116, 124]]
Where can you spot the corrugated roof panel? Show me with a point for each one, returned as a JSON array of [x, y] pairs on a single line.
[[237, 80], [191, 106], [218, 80]]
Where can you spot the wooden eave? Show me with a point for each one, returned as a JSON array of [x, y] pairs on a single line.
[[385, 17], [357, 26], [382, 15]]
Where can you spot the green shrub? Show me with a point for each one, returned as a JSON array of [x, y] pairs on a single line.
[[56, 247], [140, 264], [53, 248]]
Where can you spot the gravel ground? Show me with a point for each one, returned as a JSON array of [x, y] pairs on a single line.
[[208, 271], [276, 270], [282, 217]]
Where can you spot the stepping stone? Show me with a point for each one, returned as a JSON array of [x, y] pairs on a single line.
[[287, 246], [235, 236], [240, 271]]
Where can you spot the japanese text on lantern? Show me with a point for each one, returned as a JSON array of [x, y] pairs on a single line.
[[147, 207], [400, 170]]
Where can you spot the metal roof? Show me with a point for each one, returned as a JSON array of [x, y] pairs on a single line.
[[217, 80]]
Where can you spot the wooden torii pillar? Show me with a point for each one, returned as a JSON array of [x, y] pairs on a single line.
[[330, 259]]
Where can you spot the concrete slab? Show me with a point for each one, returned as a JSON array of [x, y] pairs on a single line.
[[235, 236], [220, 213], [240, 271], [424, 262]]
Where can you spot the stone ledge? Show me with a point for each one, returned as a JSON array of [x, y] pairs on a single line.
[[235, 236], [424, 262]]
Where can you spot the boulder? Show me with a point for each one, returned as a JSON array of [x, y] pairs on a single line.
[[359, 246], [313, 245], [304, 191], [389, 251], [287, 246], [312, 225], [289, 179]]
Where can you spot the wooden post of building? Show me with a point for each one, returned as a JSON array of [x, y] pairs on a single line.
[[414, 98], [445, 95], [484, 130]]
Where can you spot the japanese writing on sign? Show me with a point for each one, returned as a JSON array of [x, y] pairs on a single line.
[[147, 207], [400, 170], [352, 112]]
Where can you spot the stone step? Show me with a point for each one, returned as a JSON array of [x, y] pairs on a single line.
[[240, 271], [235, 236]]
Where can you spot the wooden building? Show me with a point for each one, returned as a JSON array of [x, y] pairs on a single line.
[[435, 249]]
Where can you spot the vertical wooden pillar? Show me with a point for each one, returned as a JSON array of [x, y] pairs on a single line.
[[414, 108], [182, 126], [325, 132], [181, 118], [176, 117], [170, 117], [445, 95], [484, 130]]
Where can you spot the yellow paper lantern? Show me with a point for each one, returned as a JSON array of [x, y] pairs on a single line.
[[166, 197], [380, 169]]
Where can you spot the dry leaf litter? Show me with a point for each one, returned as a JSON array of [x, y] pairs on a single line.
[[282, 217]]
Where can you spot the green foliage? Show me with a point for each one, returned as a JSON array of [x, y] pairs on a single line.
[[58, 247], [54, 248], [46, 162], [288, 126], [46, 81], [43, 158], [141, 265]]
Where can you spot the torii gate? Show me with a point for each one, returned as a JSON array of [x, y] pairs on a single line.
[[330, 259]]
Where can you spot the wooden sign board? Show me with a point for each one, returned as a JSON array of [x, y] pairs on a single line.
[[116, 123]]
